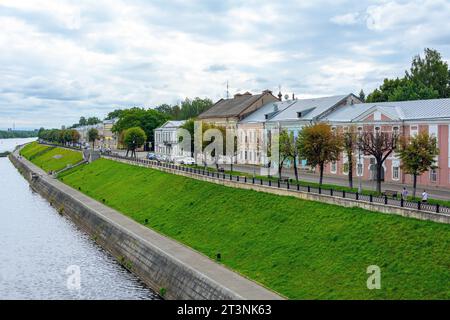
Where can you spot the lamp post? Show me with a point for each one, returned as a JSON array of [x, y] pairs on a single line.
[[362, 167]]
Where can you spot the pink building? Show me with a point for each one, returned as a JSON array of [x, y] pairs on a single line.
[[408, 118]]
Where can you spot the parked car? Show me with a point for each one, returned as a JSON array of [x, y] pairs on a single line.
[[188, 160], [160, 157], [178, 159], [151, 156]]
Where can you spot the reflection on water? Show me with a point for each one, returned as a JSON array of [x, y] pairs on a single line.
[[42, 252]]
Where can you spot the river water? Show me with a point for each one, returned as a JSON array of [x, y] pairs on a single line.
[[45, 256]]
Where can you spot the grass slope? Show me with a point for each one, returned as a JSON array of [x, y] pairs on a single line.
[[50, 158], [302, 249]]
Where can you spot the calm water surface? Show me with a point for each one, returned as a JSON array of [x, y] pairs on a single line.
[[42, 252]]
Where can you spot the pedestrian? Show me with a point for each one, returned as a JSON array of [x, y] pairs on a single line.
[[424, 196], [404, 194]]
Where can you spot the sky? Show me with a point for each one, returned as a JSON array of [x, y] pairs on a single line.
[[60, 60]]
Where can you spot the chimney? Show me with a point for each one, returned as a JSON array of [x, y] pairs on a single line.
[[293, 96], [280, 96]]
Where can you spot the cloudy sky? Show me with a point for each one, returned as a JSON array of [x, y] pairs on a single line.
[[62, 59]]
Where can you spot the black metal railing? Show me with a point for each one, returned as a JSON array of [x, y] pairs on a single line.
[[380, 200]]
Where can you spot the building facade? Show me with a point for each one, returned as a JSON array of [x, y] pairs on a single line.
[[406, 118], [166, 140]]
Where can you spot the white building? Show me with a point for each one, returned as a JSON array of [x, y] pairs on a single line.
[[166, 139]]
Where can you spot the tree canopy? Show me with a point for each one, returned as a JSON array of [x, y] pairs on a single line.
[[418, 155], [188, 109], [319, 144], [148, 120], [134, 138], [428, 78]]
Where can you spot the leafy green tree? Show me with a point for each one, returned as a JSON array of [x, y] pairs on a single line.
[[418, 155], [93, 121], [92, 136], [74, 136], [362, 96], [287, 150], [82, 121], [431, 72], [428, 78], [134, 138], [319, 144], [148, 120], [189, 125], [114, 114]]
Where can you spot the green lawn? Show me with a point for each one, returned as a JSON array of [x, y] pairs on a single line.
[[302, 249], [50, 158]]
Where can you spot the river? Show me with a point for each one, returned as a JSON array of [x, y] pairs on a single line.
[[45, 256]]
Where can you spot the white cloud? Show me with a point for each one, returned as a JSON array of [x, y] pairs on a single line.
[[346, 19]]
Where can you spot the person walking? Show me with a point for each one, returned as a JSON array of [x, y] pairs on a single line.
[[404, 194], [424, 196]]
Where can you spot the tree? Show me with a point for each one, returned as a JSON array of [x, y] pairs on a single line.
[[134, 138], [362, 96], [114, 114], [82, 121], [148, 120], [75, 136], [319, 144], [205, 143], [189, 125], [428, 78], [379, 145], [431, 72], [93, 121], [92, 136], [418, 155], [350, 141], [287, 150]]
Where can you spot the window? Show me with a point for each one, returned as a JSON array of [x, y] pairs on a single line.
[[246, 153], [395, 173], [333, 167], [433, 175], [359, 169], [414, 131], [345, 168]]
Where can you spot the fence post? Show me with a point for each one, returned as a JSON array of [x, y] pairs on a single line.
[[253, 180], [401, 202], [331, 192], [320, 190], [419, 205], [278, 183], [371, 198], [270, 183], [287, 186], [245, 179], [261, 181], [437, 208], [357, 196], [343, 194], [237, 178], [298, 187], [309, 189], [385, 199]]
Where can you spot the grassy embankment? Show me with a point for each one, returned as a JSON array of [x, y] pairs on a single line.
[[50, 158], [302, 249]]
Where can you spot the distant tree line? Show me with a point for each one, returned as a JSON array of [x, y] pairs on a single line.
[[18, 134], [86, 122], [62, 136]]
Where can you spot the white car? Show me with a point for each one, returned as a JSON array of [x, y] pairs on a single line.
[[187, 160]]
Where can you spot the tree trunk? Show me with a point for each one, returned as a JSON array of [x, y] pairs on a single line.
[[321, 173], [295, 170], [414, 185], [127, 152], [350, 172], [379, 168]]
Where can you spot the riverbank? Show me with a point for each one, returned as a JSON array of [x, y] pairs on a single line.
[[171, 269]]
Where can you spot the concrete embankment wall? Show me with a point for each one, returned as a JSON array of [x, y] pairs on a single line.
[[163, 264], [345, 202]]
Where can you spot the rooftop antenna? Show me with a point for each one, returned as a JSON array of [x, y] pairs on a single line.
[[228, 92]]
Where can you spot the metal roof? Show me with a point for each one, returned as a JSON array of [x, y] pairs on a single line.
[[315, 106], [403, 110], [271, 109]]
